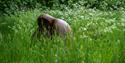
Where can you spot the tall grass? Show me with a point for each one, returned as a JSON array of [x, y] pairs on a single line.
[[98, 37]]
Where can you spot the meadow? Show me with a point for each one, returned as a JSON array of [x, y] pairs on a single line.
[[98, 37]]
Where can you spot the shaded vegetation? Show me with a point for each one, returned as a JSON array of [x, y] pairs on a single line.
[[11, 6]]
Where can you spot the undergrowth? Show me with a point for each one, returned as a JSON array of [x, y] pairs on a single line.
[[98, 37]]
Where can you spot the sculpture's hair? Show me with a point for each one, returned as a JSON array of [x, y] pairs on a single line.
[[46, 22]]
